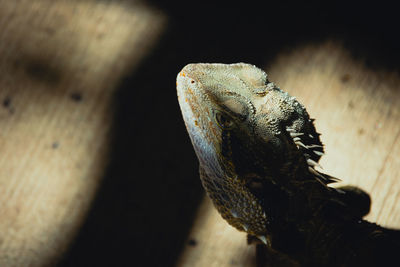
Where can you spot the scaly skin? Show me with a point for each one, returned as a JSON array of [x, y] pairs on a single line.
[[258, 152]]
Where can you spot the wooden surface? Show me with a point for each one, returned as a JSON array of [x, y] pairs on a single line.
[[357, 111], [60, 62]]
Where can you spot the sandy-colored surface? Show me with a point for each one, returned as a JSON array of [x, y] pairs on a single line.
[[59, 65]]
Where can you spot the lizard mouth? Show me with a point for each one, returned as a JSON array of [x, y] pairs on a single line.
[[197, 114]]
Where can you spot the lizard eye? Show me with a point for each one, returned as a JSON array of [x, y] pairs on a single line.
[[223, 120]]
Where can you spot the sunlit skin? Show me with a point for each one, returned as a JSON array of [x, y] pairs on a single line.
[[240, 138]]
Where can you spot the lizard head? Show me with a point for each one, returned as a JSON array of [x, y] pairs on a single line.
[[245, 131]]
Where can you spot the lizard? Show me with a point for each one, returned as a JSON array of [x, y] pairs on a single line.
[[258, 153]]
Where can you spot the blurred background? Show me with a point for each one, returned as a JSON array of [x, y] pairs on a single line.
[[96, 168]]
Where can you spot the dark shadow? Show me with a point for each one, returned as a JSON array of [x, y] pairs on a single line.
[[146, 204]]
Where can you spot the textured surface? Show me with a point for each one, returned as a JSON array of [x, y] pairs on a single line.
[[354, 109], [60, 62]]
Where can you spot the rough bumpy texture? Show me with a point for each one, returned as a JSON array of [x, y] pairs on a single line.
[[258, 152]]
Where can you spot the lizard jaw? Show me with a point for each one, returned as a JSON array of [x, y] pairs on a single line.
[[196, 115]]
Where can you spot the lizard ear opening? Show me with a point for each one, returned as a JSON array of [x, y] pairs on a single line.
[[223, 120]]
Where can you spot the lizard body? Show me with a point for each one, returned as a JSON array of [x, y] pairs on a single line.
[[258, 153]]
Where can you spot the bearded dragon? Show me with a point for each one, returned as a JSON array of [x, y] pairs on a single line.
[[258, 153]]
